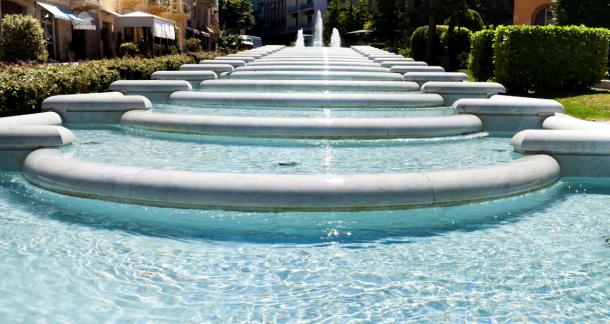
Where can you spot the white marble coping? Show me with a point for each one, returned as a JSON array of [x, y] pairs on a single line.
[[103, 101], [45, 118], [184, 75], [333, 128], [49, 169], [573, 142], [234, 63], [31, 137], [565, 122], [393, 59], [246, 59], [402, 69], [316, 75], [127, 86], [300, 99], [442, 87], [390, 64], [435, 76], [313, 62], [312, 85], [330, 67], [508, 105], [217, 68]]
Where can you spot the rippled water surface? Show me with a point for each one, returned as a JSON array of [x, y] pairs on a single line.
[[303, 112], [544, 256], [234, 154]]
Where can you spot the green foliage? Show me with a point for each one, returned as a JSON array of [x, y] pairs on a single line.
[[481, 61], [345, 17], [591, 13], [129, 49], [193, 45], [24, 87], [470, 19], [236, 15], [455, 44], [550, 57], [22, 39], [494, 12], [332, 17]]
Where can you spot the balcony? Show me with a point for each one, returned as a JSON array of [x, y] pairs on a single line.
[[292, 8]]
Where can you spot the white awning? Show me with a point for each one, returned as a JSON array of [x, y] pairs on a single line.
[[62, 13], [160, 27], [87, 22]]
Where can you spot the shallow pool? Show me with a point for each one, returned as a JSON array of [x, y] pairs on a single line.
[[219, 110], [539, 257], [132, 147]]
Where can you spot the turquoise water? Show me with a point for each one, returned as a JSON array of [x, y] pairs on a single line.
[[302, 113], [539, 257], [255, 155]]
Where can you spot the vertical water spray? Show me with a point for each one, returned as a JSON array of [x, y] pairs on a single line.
[[300, 40], [317, 34], [335, 38]]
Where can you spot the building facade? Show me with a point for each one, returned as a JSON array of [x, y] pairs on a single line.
[[533, 12], [279, 20], [91, 29]]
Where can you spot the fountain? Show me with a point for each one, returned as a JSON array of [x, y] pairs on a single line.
[[317, 35], [335, 39], [300, 41]]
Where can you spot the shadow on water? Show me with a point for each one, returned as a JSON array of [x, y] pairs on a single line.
[[385, 227]]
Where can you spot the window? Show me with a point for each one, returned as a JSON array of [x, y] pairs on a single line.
[[544, 17]]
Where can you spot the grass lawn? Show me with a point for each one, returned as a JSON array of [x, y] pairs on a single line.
[[593, 104]]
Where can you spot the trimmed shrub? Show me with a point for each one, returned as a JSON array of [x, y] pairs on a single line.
[[481, 61], [193, 45], [129, 49], [23, 39], [24, 87], [550, 57], [455, 44], [471, 20]]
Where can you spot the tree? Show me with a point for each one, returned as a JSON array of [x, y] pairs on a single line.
[[332, 18], [361, 14], [236, 15], [384, 21], [591, 13], [23, 39], [494, 12], [346, 16], [438, 10]]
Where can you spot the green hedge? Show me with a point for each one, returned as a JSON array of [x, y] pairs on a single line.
[[22, 39], [550, 57], [454, 44], [481, 61], [24, 87]]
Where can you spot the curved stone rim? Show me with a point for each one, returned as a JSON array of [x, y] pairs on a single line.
[[328, 128], [317, 85], [49, 169], [300, 100]]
